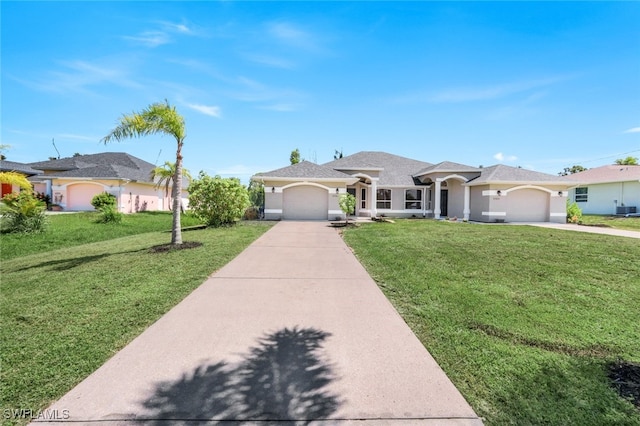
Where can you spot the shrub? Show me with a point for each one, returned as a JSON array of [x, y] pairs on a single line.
[[574, 213], [347, 204], [102, 200], [217, 201], [110, 215], [23, 212]]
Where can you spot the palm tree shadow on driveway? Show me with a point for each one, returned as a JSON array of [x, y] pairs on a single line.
[[284, 378]]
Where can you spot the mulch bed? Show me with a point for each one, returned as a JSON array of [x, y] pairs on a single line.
[[164, 248], [625, 378]]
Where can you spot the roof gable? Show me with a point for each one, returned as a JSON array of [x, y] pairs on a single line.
[[447, 166], [305, 170], [395, 170]]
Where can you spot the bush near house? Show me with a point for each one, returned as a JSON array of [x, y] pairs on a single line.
[[217, 201], [103, 199]]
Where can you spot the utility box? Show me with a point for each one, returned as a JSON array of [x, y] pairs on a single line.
[[625, 209]]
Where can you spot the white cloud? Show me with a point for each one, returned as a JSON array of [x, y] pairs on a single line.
[[632, 130], [502, 158], [483, 93], [150, 38], [78, 76], [270, 61], [292, 35], [210, 110]]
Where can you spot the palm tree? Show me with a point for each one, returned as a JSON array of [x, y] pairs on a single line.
[[157, 118], [164, 175]]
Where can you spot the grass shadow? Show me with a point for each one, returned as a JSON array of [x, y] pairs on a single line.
[[283, 378], [61, 265]]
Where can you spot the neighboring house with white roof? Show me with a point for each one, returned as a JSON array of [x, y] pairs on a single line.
[[73, 181], [611, 189], [391, 185]]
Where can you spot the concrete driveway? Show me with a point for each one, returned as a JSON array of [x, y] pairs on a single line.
[[294, 331]]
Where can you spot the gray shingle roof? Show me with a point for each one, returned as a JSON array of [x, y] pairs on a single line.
[[502, 173], [12, 166], [447, 166], [114, 165], [397, 170], [305, 169]]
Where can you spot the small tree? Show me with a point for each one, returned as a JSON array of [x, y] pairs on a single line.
[[295, 156], [164, 119], [164, 176], [217, 201], [571, 170], [347, 205], [574, 213]]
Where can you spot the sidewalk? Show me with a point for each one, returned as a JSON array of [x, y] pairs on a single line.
[[589, 229], [291, 331]]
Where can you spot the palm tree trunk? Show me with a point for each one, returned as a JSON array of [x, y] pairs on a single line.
[[176, 231]]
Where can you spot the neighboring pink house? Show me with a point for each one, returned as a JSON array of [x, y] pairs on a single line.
[[73, 181]]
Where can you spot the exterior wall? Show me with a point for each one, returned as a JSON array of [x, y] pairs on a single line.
[[479, 203], [136, 197], [131, 197], [601, 197]]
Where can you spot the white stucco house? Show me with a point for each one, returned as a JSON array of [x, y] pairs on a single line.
[[611, 189], [73, 181], [12, 166], [390, 185]]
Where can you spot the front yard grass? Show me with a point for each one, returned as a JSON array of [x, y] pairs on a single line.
[[525, 321], [64, 312], [73, 229], [631, 223]]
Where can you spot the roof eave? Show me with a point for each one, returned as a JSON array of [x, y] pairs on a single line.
[[261, 178]]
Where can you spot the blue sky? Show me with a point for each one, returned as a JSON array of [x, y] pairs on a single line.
[[540, 85]]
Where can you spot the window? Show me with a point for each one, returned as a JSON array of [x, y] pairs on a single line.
[[413, 199], [383, 198], [581, 195], [363, 198]]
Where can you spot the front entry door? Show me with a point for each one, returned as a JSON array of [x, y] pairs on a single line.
[[444, 195]]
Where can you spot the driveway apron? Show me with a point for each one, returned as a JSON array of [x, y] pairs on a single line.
[[293, 330]]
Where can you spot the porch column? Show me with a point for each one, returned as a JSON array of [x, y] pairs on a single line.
[[373, 198], [48, 190], [466, 211], [436, 207]]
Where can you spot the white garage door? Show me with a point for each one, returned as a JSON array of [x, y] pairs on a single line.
[[79, 196], [528, 205], [305, 203]]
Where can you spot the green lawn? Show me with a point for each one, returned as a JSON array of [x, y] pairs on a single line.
[[65, 311], [72, 229], [629, 223], [524, 320]]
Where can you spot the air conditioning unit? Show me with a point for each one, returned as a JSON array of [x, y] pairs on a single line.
[[625, 209]]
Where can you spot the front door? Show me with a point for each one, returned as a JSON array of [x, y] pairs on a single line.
[[444, 195]]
